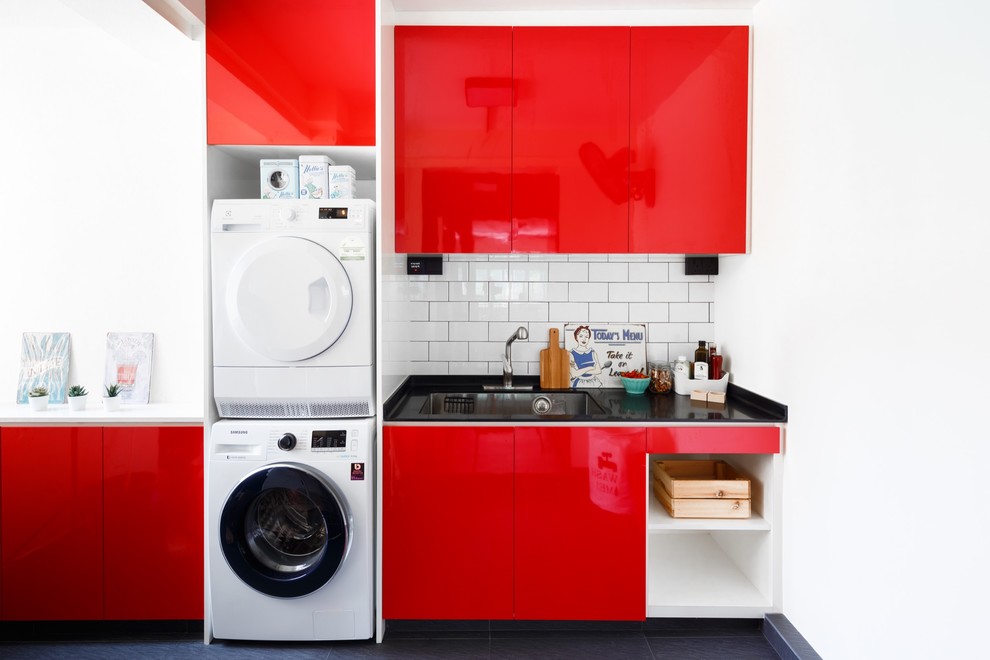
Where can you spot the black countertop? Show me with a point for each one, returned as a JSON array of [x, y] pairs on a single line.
[[741, 406]]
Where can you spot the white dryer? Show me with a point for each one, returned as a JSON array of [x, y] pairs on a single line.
[[293, 307], [291, 529]]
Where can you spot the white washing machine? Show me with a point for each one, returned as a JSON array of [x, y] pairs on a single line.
[[293, 308], [291, 529]]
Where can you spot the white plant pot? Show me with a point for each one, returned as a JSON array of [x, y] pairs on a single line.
[[111, 403], [77, 402], [38, 403]]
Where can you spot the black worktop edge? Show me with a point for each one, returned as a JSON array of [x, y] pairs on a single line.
[[773, 411]]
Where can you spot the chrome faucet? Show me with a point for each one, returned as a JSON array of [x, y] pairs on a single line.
[[520, 333]]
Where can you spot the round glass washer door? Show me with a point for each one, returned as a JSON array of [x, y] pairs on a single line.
[[284, 530], [289, 299]]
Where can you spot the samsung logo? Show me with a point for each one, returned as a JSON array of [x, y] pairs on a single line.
[[238, 432]]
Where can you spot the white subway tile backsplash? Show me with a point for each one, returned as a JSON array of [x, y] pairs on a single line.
[[458, 322], [608, 272], [669, 292], [529, 272], [468, 291], [569, 312], [631, 292], [648, 272], [568, 272], [529, 311], [548, 291], [614, 312], [688, 312], [449, 311], [588, 292], [488, 311]]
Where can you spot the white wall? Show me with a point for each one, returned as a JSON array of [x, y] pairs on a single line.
[[101, 177], [863, 306]]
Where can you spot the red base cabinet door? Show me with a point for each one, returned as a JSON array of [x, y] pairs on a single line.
[[580, 541], [570, 139], [447, 523], [453, 142], [153, 542], [689, 107], [51, 521]]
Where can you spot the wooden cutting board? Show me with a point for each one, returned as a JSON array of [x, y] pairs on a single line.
[[555, 371]]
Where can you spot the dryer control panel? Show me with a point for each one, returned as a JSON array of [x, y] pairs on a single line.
[[277, 215]]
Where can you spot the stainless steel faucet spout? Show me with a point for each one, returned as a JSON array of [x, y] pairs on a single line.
[[520, 333]]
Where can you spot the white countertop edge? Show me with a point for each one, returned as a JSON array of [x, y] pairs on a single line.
[[160, 414]]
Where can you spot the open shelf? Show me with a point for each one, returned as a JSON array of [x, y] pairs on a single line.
[[658, 520], [691, 575]]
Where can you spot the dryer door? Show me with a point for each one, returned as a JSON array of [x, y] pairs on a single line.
[[289, 299], [284, 530]]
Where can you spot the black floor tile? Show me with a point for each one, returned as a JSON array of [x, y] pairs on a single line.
[[413, 649], [712, 648], [702, 627], [570, 647]]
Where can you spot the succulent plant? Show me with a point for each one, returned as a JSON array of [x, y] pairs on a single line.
[[40, 390], [77, 390], [113, 390]]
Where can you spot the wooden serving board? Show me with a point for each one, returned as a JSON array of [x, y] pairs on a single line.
[[555, 368]]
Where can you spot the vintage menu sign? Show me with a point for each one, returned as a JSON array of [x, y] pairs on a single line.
[[598, 352]]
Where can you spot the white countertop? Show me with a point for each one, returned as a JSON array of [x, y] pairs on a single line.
[[151, 414]]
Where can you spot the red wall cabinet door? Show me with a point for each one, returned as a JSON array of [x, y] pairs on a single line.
[[580, 549], [153, 522], [301, 73], [51, 521], [447, 523], [689, 136], [570, 139], [453, 143]]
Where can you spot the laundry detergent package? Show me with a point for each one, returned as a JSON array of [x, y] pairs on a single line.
[[314, 180], [279, 178], [342, 182]]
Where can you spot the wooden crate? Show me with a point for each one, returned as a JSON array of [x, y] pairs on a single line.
[[701, 489]]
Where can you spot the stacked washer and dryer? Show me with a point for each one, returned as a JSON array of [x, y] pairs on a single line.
[[290, 481]]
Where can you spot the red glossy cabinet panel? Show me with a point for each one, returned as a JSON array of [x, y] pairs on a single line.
[[713, 440], [51, 521], [300, 73], [453, 122], [570, 139], [153, 522], [447, 523], [689, 134], [580, 502]]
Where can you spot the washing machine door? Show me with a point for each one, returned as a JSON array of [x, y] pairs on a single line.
[[284, 530], [289, 298]]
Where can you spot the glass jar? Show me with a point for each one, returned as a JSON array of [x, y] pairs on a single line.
[[661, 378]]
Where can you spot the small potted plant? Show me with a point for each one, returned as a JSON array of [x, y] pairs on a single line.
[[38, 398], [111, 400], [77, 397]]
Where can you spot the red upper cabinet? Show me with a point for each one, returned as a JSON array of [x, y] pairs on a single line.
[[447, 523], [51, 521], [153, 522], [580, 537], [453, 122], [301, 73], [689, 137], [570, 139]]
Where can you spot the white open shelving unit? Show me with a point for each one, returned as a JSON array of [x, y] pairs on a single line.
[[710, 568]]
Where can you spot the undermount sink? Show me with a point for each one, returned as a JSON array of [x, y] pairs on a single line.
[[505, 404]]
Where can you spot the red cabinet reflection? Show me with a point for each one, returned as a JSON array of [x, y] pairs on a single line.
[[689, 133], [570, 139], [453, 142], [153, 541], [447, 523], [300, 73], [580, 539], [51, 521]]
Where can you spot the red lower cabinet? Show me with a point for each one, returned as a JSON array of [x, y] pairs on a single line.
[[447, 523], [580, 538], [51, 521], [153, 522]]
